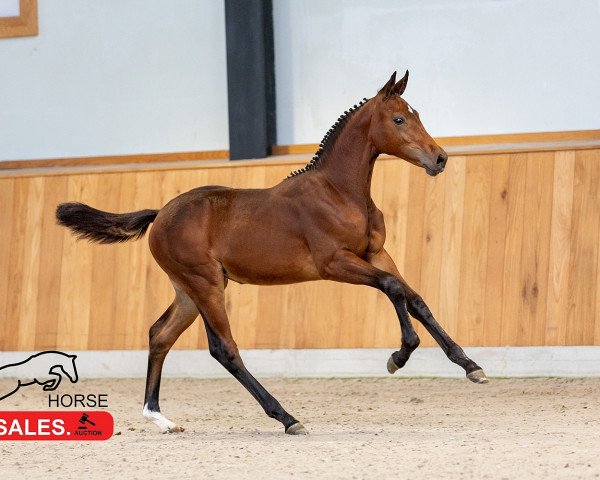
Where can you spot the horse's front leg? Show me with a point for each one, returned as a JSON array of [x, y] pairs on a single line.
[[410, 340], [51, 382], [344, 266], [378, 273], [419, 310]]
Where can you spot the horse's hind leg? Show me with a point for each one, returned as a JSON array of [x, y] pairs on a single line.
[[7, 394], [163, 334], [209, 298]]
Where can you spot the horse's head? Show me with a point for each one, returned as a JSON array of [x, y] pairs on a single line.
[[68, 367], [396, 129]]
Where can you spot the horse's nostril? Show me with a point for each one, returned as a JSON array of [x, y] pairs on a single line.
[[441, 159]]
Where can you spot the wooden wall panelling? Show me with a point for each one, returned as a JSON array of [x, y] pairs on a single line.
[[473, 274], [28, 289], [584, 251], [596, 340], [452, 245], [76, 279], [513, 238], [503, 247], [535, 248], [496, 251], [557, 298], [152, 158], [7, 247], [48, 278], [103, 321], [415, 234], [17, 275], [431, 245]]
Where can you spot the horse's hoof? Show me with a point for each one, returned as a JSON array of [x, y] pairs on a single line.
[[391, 365], [296, 429], [175, 429], [477, 376]]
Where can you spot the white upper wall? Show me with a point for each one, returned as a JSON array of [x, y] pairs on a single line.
[[115, 77], [118, 77], [476, 66], [9, 8]]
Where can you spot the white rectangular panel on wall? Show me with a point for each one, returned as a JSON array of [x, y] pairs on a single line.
[[115, 78], [476, 66]]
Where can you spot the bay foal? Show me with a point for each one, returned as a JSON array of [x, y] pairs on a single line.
[[319, 223]]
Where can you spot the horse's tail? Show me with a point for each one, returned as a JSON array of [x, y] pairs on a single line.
[[103, 227]]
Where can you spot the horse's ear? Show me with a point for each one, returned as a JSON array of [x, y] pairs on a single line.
[[387, 88], [399, 88]]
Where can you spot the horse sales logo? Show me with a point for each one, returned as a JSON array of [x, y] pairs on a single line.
[[56, 425], [47, 369]]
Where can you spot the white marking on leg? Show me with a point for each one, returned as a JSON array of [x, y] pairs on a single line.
[[163, 423]]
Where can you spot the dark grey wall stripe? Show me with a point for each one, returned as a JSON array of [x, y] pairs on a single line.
[[250, 77]]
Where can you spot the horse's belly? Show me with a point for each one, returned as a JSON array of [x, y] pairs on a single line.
[[270, 274], [268, 264]]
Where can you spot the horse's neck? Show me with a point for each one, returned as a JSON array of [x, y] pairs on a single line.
[[349, 164]]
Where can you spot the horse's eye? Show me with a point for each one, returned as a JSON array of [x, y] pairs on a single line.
[[398, 120]]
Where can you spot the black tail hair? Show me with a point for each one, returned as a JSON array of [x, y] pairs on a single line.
[[103, 227]]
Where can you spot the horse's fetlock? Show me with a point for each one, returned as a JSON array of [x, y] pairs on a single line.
[[455, 352], [274, 410], [412, 343], [271, 413]]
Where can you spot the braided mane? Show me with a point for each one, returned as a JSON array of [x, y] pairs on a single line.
[[329, 139]]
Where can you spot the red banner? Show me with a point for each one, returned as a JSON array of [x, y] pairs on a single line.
[[56, 425]]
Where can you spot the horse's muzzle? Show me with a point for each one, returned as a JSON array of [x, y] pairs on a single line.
[[440, 164], [432, 172]]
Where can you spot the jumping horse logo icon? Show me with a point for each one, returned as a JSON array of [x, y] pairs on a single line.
[[44, 368]]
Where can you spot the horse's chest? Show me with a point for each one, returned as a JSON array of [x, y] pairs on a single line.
[[353, 227]]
